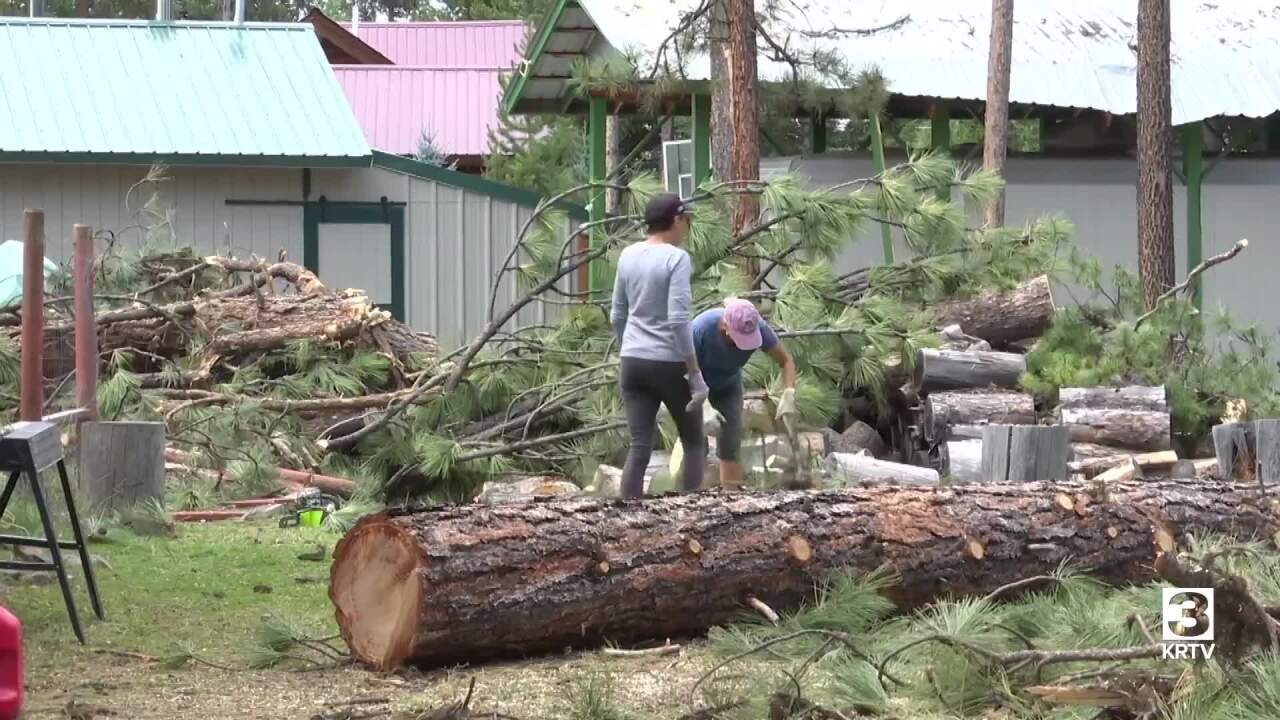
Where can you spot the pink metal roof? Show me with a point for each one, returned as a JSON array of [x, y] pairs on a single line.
[[445, 81], [395, 105], [487, 44]]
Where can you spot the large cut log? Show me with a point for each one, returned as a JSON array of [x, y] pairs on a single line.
[[1136, 430], [1091, 467], [461, 584], [1134, 418], [1001, 318], [963, 460], [955, 370], [944, 410], [1133, 397], [862, 467]]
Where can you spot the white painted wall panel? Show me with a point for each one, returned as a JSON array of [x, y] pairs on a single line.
[[194, 198]]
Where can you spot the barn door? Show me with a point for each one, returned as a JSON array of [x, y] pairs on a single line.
[[358, 245]]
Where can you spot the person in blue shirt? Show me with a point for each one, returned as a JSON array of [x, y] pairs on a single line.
[[724, 339]]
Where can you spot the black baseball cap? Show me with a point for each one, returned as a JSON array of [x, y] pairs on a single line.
[[663, 208]]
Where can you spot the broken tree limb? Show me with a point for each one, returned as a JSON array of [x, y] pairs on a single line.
[[943, 410], [466, 583], [1000, 318], [954, 370], [1191, 276]]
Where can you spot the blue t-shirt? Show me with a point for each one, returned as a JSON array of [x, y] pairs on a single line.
[[719, 359]]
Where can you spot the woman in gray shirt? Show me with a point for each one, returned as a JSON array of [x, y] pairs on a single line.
[[651, 298]]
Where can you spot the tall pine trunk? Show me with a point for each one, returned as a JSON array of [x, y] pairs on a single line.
[[721, 122], [1155, 191], [995, 143]]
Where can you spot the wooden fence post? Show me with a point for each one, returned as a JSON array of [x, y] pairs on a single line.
[[32, 388], [86, 326]]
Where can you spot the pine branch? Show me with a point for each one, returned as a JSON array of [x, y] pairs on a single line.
[[539, 442]]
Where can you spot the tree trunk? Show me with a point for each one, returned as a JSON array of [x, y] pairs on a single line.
[[995, 139], [1155, 190], [744, 113], [1001, 318], [461, 584], [721, 119], [1135, 429], [848, 469], [1133, 397], [82, 8], [955, 370], [943, 410], [1024, 453], [613, 155]]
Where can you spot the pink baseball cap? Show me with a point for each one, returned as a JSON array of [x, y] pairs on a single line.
[[742, 321]]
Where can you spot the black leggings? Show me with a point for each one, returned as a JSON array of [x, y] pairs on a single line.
[[645, 384]]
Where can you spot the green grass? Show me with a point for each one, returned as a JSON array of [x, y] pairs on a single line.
[[193, 593]]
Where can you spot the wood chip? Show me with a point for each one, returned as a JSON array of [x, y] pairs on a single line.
[[1065, 502], [976, 549], [799, 549]]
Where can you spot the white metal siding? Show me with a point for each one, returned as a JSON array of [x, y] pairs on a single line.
[[1099, 196], [96, 195]]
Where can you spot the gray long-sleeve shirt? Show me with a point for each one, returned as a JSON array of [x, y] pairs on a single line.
[[651, 297]]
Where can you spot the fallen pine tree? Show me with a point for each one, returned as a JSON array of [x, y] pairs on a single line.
[[462, 584]]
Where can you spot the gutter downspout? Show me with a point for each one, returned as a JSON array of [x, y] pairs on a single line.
[[164, 10], [240, 11]]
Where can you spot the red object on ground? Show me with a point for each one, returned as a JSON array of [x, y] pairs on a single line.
[[10, 666]]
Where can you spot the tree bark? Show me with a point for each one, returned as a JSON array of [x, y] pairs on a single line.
[[721, 119], [1133, 397], [943, 410], [1001, 318], [995, 139], [1155, 190], [1139, 430], [955, 370], [462, 584], [744, 113]]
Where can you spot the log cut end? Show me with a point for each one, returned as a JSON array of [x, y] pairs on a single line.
[[376, 589]]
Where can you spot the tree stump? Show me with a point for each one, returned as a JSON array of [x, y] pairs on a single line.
[[121, 463], [1025, 453], [1266, 441], [1234, 446]]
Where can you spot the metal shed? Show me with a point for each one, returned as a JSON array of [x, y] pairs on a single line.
[[263, 157]]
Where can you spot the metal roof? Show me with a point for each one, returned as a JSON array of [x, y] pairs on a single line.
[[1078, 54], [446, 82], [395, 105], [486, 44], [184, 93]]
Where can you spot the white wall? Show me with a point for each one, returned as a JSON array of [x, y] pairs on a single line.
[[96, 195], [1241, 199]]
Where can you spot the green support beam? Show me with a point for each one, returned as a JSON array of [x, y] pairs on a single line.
[[701, 139], [818, 140], [877, 158], [599, 173], [940, 140], [1193, 176]]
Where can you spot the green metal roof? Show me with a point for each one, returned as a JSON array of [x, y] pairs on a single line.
[[183, 93]]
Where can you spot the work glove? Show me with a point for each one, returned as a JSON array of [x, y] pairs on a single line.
[[698, 388], [787, 405], [711, 419]]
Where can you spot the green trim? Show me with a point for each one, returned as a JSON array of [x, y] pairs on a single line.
[[315, 213], [474, 183], [877, 159], [599, 150], [1192, 171], [515, 89], [818, 134], [101, 158], [701, 139]]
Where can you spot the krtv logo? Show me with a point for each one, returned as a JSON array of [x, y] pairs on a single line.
[[1188, 623]]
